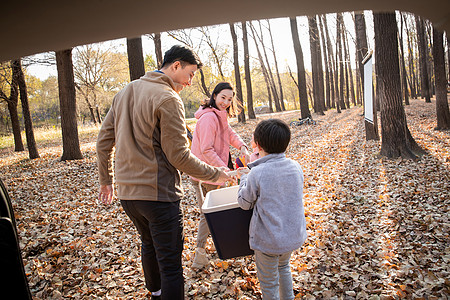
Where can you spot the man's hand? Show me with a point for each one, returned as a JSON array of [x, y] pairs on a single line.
[[223, 177], [105, 195]]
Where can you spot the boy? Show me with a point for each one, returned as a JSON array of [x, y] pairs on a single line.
[[274, 189]]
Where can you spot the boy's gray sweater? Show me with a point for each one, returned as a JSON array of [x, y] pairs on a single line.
[[274, 189]]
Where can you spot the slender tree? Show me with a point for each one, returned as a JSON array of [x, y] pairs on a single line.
[[276, 67], [448, 54], [273, 87], [350, 86], [158, 49], [135, 58], [429, 55], [424, 80], [303, 98], [263, 68], [248, 79], [316, 64], [358, 84], [68, 108], [237, 75], [361, 44], [442, 110], [85, 94], [332, 64], [92, 70], [203, 84], [361, 41], [411, 66], [393, 118], [12, 101], [215, 51], [328, 76], [345, 64], [405, 92], [31, 142], [340, 60]]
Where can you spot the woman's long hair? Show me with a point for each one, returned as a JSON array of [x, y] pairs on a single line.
[[235, 107]]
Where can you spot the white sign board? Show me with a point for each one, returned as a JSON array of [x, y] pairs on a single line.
[[368, 99]]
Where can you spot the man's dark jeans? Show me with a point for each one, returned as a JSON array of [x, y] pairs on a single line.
[[160, 225]]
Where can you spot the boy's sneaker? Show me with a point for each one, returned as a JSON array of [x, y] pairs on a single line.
[[200, 259]]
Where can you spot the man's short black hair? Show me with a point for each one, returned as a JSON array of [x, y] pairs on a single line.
[[183, 54], [272, 135]]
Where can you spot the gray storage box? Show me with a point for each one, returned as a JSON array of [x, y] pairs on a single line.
[[227, 222]]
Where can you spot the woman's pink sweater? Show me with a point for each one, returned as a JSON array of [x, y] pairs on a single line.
[[212, 138]]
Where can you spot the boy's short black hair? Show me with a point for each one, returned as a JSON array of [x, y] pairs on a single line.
[[183, 54], [272, 135]]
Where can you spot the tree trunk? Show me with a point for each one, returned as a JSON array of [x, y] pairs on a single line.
[[215, 56], [248, 79], [135, 58], [351, 90], [15, 124], [269, 93], [346, 71], [12, 101], [358, 84], [327, 69], [158, 50], [442, 110], [204, 87], [264, 70], [303, 98], [346, 67], [316, 63], [429, 55], [340, 60], [412, 73], [31, 142], [68, 108], [361, 43], [276, 97], [283, 108], [237, 75], [393, 119], [86, 99], [331, 64], [425, 89], [404, 75], [448, 54]]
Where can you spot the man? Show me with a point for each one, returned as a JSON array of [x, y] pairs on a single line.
[[147, 127]]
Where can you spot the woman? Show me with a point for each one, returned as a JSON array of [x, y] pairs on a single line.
[[211, 143]]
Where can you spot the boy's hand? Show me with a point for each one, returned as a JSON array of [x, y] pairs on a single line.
[[242, 171], [239, 172], [244, 153]]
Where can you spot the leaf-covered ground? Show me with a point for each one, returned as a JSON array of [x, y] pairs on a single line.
[[378, 228]]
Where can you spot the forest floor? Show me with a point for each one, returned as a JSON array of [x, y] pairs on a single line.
[[377, 228]]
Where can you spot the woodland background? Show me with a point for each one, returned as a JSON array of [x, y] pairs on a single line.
[[376, 195]]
